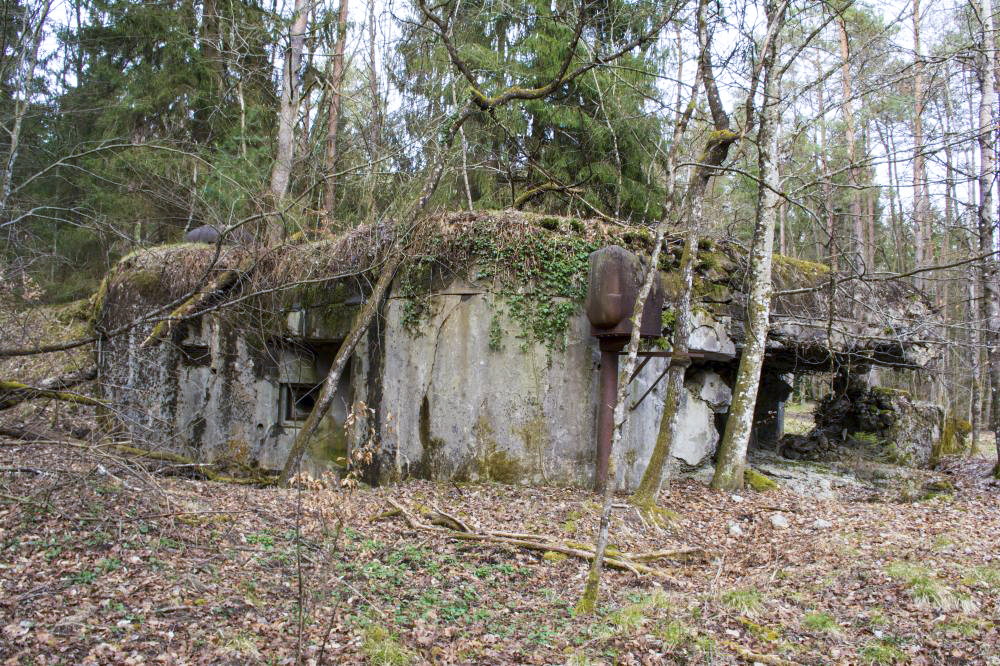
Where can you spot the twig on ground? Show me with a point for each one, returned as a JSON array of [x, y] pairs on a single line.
[[444, 525]]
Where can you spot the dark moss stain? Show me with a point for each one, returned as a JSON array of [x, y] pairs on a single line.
[[225, 365], [263, 361], [953, 440], [237, 451], [492, 464], [383, 460], [535, 435], [329, 444], [431, 462], [330, 322], [500, 467], [198, 427], [171, 381], [424, 424]]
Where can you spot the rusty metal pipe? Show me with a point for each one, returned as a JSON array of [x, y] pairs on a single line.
[[606, 412]]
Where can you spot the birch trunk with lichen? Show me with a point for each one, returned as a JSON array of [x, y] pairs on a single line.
[[733, 448], [652, 478], [990, 304]]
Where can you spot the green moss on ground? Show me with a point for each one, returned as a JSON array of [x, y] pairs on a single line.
[[757, 481]]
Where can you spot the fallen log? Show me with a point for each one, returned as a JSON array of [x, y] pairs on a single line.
[[450, 527]]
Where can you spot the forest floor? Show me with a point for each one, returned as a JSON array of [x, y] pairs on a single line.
[[102, 562], [105, 559]]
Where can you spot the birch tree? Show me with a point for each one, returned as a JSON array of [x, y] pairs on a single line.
[[335, 82], [732, 450], [985, 66], [921, 214], [715, 153], [281, 171], [28, 39]]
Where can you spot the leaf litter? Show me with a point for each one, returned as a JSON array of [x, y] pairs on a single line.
[[103, 561]]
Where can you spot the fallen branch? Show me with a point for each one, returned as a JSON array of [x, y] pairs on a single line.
[[673, 553], [194, 304], [756, 657], [23, 470], [14, 393], [450, 527], [31, 435], [539, 190], [204, 469], [70, 380]]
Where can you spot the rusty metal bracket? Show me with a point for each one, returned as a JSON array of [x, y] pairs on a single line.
[[642, 365], [674, 359], [653, 386]]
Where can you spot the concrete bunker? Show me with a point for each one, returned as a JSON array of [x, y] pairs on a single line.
[[481, 365]]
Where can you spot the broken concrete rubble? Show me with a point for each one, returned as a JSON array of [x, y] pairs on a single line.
[[884, 424]]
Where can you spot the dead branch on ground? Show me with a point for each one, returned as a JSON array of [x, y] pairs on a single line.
[[439, 522]]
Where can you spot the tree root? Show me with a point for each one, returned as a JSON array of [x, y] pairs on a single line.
[[439, 522]]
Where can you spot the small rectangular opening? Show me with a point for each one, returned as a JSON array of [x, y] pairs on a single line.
[[198, 356], [298, 401]]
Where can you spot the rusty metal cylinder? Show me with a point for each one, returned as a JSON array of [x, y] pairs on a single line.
[[606, 414], [613, 284]]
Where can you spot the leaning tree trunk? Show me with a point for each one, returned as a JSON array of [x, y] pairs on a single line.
[[588, 602], [652, 479], [359, 329], [733, 449]]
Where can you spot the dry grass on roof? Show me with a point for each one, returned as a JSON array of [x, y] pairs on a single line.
[[161, 274], [498, 240]]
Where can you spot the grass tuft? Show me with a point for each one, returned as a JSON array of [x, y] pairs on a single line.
[[383, 648], [823, 622], [633, 616], [747, 600], [926, 590], [673, 633], [881, 652]]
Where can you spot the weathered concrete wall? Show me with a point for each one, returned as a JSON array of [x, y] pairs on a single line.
[[219, 394], [450, 402], [453, 407]]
